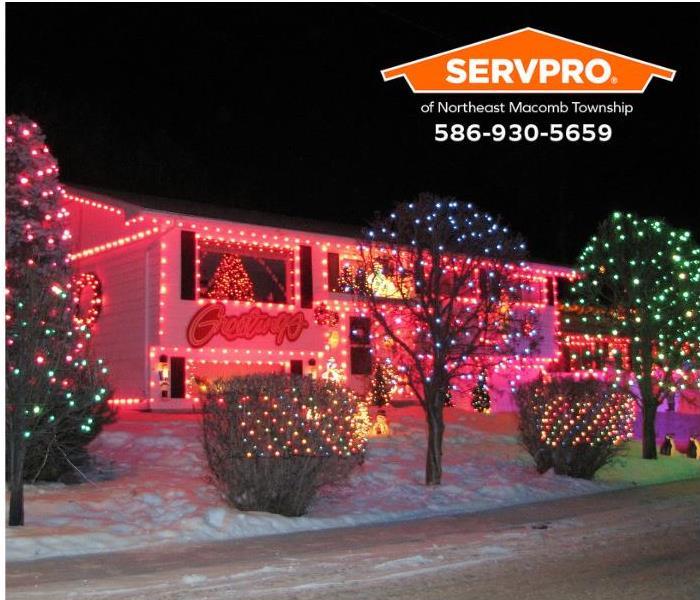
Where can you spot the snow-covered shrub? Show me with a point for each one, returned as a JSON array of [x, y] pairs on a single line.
[[273, 440], [574, 427]]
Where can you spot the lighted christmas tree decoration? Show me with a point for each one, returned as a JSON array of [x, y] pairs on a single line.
[[231, 281], [641, 282], [347, 279], [481, 400], [361, 423], [448, 397], [55, 392], [383, 382]]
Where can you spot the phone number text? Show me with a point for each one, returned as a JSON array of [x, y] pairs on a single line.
[[516, 132]]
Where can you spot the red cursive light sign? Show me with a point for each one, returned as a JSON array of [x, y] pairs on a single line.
[[212, 319]]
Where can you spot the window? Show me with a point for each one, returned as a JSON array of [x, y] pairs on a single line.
[[491, 284], [359, 330], [469, 285], [296, 368], [177, 377], [360, 352], [345, 273], [333, 263], [236, 272], [517, 288], [360, 360], [580, 353], [532, 291]]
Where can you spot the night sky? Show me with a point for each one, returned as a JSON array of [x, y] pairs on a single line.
[[283, 108]]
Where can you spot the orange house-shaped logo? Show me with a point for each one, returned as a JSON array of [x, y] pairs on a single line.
[[528, 61]]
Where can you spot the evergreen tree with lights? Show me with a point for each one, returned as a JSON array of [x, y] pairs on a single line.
[[481, 400], [382, 383], [448, 397], [646, 276], [440, 252], [231, 281], [55, 394]]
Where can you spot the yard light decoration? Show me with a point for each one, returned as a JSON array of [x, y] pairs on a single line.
[[641, 282], [694, 447], [333, 372], [380, 427], [668, 447], [362, 423], [383, 384], [481, 400], [453, 301], [448, 396]]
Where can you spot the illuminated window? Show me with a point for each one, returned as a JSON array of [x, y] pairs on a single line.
[[347, 273], [237, 272], [530, 290]]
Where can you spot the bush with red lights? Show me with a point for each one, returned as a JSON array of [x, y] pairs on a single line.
[[272, 440], [573, 426]]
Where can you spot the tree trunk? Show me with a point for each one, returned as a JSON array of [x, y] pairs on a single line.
[[16, 517], [16, 474], [436, 428], [649, 404], [649, 431]]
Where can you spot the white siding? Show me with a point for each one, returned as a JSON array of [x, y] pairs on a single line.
[[126, 327]]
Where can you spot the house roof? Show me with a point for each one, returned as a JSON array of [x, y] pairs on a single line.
[[133, 202]]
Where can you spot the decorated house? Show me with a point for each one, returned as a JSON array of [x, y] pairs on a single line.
[[177, 294]]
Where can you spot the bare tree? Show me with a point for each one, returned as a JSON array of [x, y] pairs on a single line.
[[436, 275]]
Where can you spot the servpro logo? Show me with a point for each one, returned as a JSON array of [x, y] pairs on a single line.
[[528, 61], [540, 70]]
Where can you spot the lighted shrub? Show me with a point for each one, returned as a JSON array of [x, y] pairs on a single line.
[[272, 440], [61, 428], [574, 427]]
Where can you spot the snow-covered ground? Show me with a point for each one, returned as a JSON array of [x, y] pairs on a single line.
[[160, 492]]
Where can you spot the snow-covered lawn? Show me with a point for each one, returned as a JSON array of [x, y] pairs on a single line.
[[160, 492]]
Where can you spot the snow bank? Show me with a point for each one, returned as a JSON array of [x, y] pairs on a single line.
[[160, 492]]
